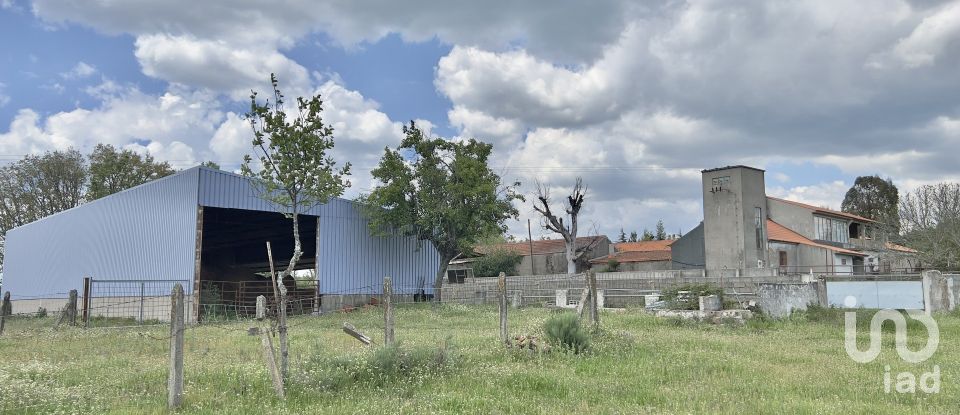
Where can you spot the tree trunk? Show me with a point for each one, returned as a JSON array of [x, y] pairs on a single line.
[[571, 257], [282, 326], [441, 274]]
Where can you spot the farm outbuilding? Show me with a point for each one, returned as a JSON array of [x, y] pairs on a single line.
[[208, 228]]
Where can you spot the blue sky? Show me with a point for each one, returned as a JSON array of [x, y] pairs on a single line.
[[635, 99]]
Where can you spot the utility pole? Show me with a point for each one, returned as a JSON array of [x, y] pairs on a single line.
[[533, 270]]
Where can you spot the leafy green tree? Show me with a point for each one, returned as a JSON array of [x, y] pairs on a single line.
[[661, 232], [633, 236], [623, 236], [113, 170], [211, 164], [647, 235], [39, 186], [293, 171], [495, 262], [439, 191], [875, 198]]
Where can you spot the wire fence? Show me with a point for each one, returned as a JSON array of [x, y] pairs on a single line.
[[128, 302]]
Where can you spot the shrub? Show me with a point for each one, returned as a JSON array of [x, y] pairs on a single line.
[[565, 332], [500, 260], [41, 312], [613, 265], [692, 300]]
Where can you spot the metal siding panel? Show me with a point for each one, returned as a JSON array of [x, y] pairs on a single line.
[[146, 232], [353, 261]]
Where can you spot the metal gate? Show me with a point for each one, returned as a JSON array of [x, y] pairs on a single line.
[[128, 302], [876, 292]]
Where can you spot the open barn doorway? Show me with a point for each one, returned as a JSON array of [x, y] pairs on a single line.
[[234, 268]]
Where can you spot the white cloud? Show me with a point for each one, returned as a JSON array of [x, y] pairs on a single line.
[[219, 65], [80, 70], [828, 195], [635, 98], [929, 39]]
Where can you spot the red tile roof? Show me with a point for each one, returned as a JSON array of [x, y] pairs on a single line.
[[824, 210], [547, 246], [635, 256], [643, 246], [900, 248], [780, 233]]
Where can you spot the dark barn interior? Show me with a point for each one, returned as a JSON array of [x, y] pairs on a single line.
[[234, 268]]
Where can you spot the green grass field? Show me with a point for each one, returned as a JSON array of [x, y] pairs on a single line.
[[636, 364]]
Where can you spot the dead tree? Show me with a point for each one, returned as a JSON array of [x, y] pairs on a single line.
[[553, 222]]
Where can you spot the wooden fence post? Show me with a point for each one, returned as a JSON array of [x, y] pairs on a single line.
[[267, 343], [281, 313], [594, 304], [502, 297], [72, 308], [5, 309], [175, 378], [86, 302], [388, 334]]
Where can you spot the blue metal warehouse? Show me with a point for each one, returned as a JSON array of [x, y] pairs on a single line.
[[205, 225]]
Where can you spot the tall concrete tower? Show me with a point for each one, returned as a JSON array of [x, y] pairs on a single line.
[[734, 218]]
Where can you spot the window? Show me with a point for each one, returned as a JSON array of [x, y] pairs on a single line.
[[833, 230], [843, 261], [783, 258], [758, 225]]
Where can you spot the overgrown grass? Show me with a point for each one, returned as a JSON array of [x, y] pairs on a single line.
[[636, 364]]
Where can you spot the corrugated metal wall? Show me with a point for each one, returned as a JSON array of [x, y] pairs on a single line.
[[349, 259], [147, 232]]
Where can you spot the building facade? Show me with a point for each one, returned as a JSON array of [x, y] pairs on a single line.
[[743, 228]]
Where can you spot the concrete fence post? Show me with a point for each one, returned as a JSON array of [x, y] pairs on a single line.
[[175, 376], [502, 301], [594, 306], [261, 307], [561, 299], [822, 292], [517, 299], [388, 333]]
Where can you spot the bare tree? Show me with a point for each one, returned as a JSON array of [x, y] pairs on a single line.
[[930, 222], [553, 222]]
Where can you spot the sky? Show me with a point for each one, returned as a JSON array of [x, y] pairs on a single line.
[[635, 97]]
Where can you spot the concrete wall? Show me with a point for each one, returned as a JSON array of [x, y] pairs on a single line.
[[779, 300], [620, 288], [795, 218], [942, 292], [729, 218], [688, 252], [792, 250]]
